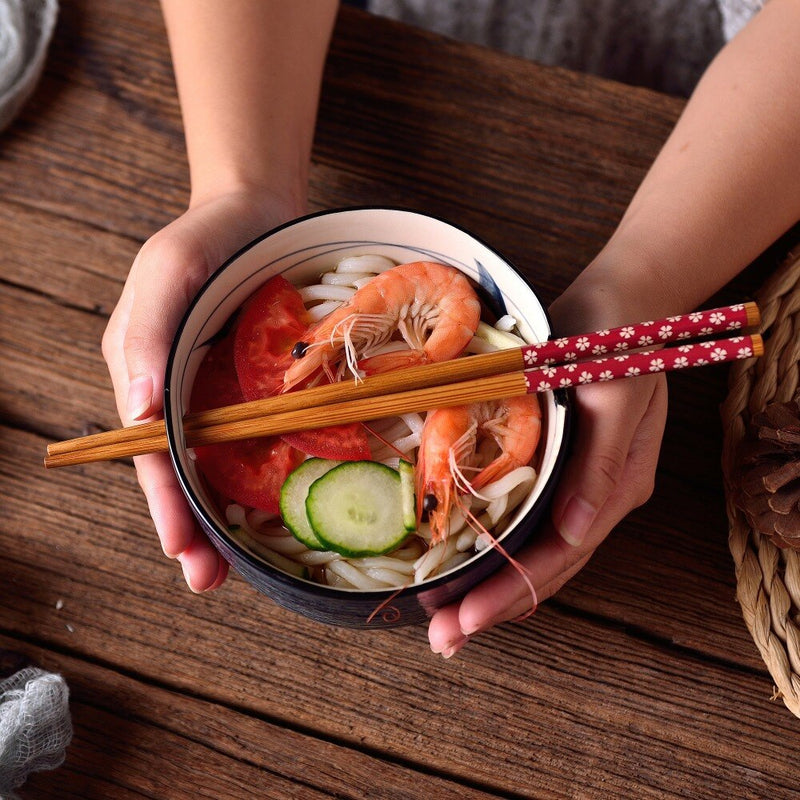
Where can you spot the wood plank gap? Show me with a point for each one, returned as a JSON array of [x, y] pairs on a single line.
[[56, 301], [648, 637], [84, 221]]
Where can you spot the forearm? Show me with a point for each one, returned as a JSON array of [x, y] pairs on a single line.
[[248, 74], [724, 186]]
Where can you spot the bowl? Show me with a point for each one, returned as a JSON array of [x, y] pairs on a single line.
[[300, 251]]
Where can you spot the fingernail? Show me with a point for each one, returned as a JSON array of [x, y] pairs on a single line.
[[179, 559], [140, 397], [474, 627], [575, 523], [450, 651]]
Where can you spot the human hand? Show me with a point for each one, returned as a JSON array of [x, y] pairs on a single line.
[[609, 473], [165, 276]]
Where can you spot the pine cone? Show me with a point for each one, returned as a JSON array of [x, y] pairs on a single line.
[[769, 468]]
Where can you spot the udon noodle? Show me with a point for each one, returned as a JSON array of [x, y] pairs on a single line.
[[415, 560]]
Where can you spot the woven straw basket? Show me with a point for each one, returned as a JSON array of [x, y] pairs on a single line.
[[767, 577]]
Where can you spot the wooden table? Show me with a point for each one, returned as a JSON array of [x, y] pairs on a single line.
[[638, 680]]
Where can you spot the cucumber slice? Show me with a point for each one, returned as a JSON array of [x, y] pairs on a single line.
[[356, 509], [293, 500], [407, 495]]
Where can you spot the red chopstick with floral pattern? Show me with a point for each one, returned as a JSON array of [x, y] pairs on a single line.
[[629, 365], [694, 325]]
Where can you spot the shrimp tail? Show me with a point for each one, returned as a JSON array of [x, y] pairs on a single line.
[[501, 466], [516, 430]]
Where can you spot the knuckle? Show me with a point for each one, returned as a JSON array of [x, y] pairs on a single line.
[[109, 343], [139, 339], [608, 468], [106, 348], [170, 259]]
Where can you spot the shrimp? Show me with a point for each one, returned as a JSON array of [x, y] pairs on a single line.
[[432, 307], [450, 438]]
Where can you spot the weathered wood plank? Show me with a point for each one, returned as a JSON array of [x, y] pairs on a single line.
[[498, 168], [54, 376], [63, 259]]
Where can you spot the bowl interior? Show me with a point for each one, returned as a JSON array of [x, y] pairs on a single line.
[[300, 251]]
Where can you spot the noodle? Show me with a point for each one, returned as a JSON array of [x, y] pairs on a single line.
[[317, 312], [357, 578], [344, 278], [366, 263], [324, 291]]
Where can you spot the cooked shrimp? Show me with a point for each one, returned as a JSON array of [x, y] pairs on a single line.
[[431, 306], [450, 438]]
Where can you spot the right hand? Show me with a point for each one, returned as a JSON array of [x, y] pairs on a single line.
[[165, 276]]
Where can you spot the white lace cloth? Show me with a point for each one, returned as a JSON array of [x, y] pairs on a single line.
[[663, 44], [26, 27], [35, 726]]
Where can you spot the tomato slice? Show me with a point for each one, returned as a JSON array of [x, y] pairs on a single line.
[[249, 472], [272, 321], [216, 384], [337, 442]]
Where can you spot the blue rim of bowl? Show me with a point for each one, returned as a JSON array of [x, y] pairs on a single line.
[[378, 595]]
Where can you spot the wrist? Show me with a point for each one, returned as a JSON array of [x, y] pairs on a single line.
[[623, 284], [290, 190], [284, 200]]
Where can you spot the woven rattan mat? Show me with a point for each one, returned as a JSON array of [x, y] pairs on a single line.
[[767, 577]]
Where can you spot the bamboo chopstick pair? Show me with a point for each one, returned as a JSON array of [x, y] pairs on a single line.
[[643, 348]]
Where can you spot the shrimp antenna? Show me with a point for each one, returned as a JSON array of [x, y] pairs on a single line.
[[523, 571]]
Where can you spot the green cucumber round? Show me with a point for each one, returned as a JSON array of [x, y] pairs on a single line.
[[293, 499], [358, 509], [408, 497]]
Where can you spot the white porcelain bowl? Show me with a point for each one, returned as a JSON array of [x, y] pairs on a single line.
[[300, 251]]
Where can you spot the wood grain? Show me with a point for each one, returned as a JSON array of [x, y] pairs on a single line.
[[638, 679]]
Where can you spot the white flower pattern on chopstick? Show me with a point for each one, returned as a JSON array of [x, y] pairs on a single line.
[[632, 364], [563, 361], [642, 334]]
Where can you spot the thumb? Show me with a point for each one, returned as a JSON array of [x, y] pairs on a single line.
[[162, 283]]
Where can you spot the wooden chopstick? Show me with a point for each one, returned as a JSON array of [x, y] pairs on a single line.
[[473, 379]]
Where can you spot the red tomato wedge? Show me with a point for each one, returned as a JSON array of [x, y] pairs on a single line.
[[272, 321], [216, 384], [252, 471], [338, 442]]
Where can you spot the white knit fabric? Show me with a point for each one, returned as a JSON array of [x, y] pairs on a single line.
[[664, 44], [35, 726], [736, 14], [26, 27]]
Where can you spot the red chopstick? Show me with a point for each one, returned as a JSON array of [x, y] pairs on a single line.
[[630, 365], [696, 324]]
